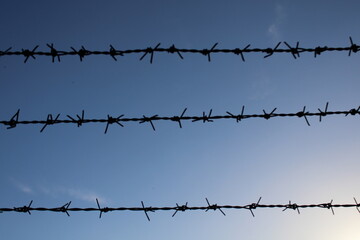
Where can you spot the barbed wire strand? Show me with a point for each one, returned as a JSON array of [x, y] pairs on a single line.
[[205, 118], [180, 208], [113, 53]]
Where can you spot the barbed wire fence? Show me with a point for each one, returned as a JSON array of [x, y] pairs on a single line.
[[79, 120], [295, 51], [205, 118], [181, 208]]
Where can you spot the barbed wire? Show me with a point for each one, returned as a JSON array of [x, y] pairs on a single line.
[[205, 118], [181, 208], [112, 52]]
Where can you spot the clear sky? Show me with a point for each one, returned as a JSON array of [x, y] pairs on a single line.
[[280, 159]]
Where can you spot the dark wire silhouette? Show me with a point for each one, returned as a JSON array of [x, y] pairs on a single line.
[[114, 53], [180, 208], [121, 120]]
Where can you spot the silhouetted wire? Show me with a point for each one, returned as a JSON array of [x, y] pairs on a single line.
[[121, 120], [182, 208], [113, 53]]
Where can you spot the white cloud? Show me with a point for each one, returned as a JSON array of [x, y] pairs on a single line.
[[87, 196], [56, 192], [77, 194], [25, 189], [22, 187], [274, 28]]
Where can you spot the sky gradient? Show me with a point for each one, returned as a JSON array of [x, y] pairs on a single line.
[[279, 159]]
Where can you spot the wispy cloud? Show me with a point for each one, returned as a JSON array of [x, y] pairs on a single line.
[[22, 187], [273, 31], [76, 194], [274, 28], [25, 189], [87, 196]]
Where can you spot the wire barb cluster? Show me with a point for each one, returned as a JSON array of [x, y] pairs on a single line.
[[182, 208], [113, 53], [205, 118]]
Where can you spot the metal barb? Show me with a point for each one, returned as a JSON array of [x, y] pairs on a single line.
[[237, 117], [271, 51], [6, 51], [178, 119], [49, 121], [53, 52], [319, 50], [328, 206], [111, 120], [323, 114], [27, 53], [353, 111], [353, 47], [331, 206], [151, 51], [24, 209], [173, 49], [238, 51], [101, 210], [357, 205], [82, 52], [14, 120], [267, 116], [253, 206], [113, 52], [213, 207], [207, 52], [293, 206], [182, 208], [294, 51], [149, 209], [149, 119], [65, 208], [80, 120], [303, 114], [204, 118]]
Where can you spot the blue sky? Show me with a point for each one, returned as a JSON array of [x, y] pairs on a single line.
[[280, 159]]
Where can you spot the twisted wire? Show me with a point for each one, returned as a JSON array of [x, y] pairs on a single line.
[[294, 51], [181, 208], [205, 118]]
